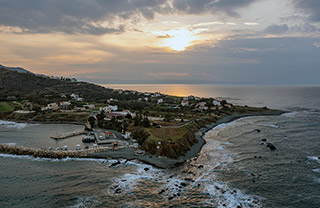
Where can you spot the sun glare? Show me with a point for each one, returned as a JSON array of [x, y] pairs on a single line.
[[178, 39]]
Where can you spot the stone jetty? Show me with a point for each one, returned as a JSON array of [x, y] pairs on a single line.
[[69, 134], [57, 154]]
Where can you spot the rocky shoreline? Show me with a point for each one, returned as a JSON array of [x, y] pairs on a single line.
[[163, 162], [129, 152]]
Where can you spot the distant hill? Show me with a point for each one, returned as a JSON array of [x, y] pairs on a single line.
[[27, 85], [17, 69]]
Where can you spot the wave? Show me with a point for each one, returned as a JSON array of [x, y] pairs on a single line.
[[314, 158], [224, 196], [108, 161], [11, 124], [316, 170]]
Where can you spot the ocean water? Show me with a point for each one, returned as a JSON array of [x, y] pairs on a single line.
[[234, 169]]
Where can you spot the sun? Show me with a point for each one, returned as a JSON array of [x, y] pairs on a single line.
[[178, 39]]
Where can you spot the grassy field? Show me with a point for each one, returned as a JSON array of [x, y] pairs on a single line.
[[162, 134], [8, 106]]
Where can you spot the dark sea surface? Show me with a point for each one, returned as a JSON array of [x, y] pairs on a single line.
[[235, 167]]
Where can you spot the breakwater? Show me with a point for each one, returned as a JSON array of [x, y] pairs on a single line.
[[69, 134]]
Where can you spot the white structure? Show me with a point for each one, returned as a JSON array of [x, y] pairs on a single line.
[[185, 98], [146, 99], [160, 101], [89, 106], [109, 108], [215, 102], [127, 134], [185, 103], [51, 106], [76, 97], [202, 104], [64, 105]]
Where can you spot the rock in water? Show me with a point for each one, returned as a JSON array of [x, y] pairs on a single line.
[[271, 146], [115, 164]]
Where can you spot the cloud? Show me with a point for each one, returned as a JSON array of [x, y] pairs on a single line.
[[305, 28], [100, 17], [75, 16], [309, 7], [277, 29], [251, 23], [227, 7]]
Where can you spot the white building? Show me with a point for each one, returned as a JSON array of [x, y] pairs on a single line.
[[109, 108], [160, 101], [215, 102], [64, 105], [51, 106], [127, 134], [185, 103]]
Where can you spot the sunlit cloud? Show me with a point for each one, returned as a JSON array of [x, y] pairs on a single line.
[[179, 39], [251, 23]]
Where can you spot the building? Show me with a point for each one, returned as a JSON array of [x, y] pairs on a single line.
[[65, 105], [160, 101], [76, 97], [215, 102], [114, 115], [127, 134], [51, 106], [109, 108], [185, 103]]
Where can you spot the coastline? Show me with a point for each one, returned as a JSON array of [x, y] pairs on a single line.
[[162, 162], [128, 153]]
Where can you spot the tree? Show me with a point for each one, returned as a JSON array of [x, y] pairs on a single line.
[[100, 118], [91, 121], [146, 122]]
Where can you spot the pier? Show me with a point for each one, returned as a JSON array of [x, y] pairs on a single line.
[[68, 134]]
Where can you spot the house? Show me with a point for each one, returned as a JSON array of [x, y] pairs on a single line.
[[127, 134], [51, 106], [146, 99], [215, 102], [109, 108], [191, 97], [185, 98], [202, 104], [76, 97], [27, 106], [89, 106], [185, 103], [109, 135], [160, 101], [115, 115], [64, 105], [11, 98]]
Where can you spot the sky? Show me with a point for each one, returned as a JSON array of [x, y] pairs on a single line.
[[164, 41]]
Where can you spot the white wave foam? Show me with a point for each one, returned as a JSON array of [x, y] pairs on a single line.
[[314, 158], [316, 170], [10, 143], [223, 196], [127, 183], [83, 202], [11, 124], [290, 114], [110, 161]]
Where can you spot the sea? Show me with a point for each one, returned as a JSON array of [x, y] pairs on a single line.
[[234, 169]]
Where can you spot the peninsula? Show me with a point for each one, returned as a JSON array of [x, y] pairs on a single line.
[[158, 129]]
